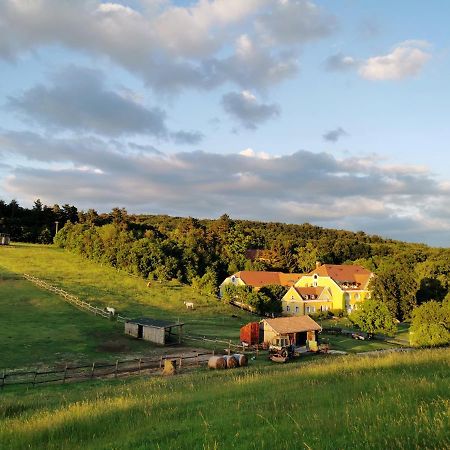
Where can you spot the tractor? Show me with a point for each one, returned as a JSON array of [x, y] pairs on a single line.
[[280, 349]]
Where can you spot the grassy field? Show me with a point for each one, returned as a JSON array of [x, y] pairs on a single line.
[[390, 401], [39, 327]]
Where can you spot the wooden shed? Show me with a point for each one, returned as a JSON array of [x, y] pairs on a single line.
[[4, 239], [300, 329], [158, 331]]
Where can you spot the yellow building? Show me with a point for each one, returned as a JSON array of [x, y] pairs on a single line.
[[328, 287]]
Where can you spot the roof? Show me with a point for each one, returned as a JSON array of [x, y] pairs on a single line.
[[155, 323], [259, 278], [308, 291], [298, 324], [343, 273]]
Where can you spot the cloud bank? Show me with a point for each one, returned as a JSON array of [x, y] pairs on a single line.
[[353, 193]]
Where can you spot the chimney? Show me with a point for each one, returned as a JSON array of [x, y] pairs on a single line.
[[318, 264]]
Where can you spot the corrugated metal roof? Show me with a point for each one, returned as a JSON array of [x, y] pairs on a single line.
[[156, 323]]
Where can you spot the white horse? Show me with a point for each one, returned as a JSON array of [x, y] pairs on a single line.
[[112, 311], [189, 305]]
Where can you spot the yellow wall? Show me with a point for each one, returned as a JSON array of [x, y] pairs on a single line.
[[293, 299], [228, 280], [337, 294]]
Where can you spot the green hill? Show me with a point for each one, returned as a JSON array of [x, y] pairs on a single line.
[[394, 400]]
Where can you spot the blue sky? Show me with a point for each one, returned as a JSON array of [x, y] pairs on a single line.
[[333, 113]]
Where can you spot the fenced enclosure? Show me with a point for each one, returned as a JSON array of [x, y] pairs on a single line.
[[73, 299], [99, 370]]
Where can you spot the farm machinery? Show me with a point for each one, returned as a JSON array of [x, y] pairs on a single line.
[[281, 349]]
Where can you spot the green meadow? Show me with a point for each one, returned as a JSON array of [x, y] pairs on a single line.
[[390, 401], [38, 327]]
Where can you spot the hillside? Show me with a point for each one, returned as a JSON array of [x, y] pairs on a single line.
[[392, 401]]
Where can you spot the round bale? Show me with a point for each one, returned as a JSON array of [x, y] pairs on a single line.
[[232, 362], [217, 362], [241, 359]]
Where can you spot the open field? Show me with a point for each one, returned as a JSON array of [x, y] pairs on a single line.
[[396, 400], [40, 327]]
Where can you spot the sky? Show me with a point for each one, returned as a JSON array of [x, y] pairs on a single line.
[[330, 112]]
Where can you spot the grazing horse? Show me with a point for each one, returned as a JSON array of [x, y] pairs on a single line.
[[189, 305], [112, 311]]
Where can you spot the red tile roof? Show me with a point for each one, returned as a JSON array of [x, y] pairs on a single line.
[[256, 278], [344, 274], [308, 291], [299, 324]]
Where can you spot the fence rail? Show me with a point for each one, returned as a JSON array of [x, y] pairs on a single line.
[[97, 370], [73, 299]]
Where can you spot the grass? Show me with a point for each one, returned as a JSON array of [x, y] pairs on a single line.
[[39, 326], [349, 345], [390, 401]]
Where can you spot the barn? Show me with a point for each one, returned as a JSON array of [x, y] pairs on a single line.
[[301, 330], [158, 331]]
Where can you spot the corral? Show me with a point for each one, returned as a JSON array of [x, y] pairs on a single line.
[[157, 331]]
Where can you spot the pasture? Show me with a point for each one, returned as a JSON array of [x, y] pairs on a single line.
[[395, 400], [39, 327]]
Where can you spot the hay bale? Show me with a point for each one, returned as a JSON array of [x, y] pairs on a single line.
[[241, 359], [170, 366], [217, 362], [232, 362]]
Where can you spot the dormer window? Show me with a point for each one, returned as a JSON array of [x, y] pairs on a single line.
[[315, 280]]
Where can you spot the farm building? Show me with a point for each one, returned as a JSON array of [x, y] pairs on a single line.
[[157, 331], [301, 330], [4, 239]]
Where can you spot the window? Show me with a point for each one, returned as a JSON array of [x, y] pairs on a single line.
[[296, 309], [315, 280], [313, 309], [324, 308], [356, 296], [306, 309], [288, 308]]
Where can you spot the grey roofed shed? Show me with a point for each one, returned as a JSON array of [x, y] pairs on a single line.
[[154, 330]]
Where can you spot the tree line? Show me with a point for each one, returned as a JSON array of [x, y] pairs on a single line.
[[204, 252]]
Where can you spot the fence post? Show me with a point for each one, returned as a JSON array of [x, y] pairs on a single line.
[[181, 359], [197, 360], [140, 365], [65, 373], [213, 352], [117, 366], [160, 362], [92, 370], [229, 347], [34, 378], [3, 378]]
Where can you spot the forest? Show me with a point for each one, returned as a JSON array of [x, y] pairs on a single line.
[[203, 252]]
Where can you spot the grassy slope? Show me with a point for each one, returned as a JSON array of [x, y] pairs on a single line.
[[392, 401], [101, 286], [37, 327]]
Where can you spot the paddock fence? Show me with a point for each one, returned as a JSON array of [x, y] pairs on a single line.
[[99, 370], [73, 299]]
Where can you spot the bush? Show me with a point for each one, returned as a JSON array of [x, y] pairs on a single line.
[[373, 316], [430, 326]]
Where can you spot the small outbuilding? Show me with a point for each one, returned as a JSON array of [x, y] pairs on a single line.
[[300, 330], [4, 239], [158, 331]]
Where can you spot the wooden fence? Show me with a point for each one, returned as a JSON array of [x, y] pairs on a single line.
[[73, 299], [96, 370]]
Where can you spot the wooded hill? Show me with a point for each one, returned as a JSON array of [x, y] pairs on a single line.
[[204, 252]]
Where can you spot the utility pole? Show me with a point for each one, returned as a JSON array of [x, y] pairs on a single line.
[[56, 223]]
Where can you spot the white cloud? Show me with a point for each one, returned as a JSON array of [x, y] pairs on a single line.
[[406, 60]]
